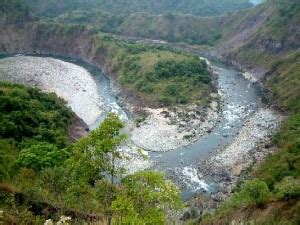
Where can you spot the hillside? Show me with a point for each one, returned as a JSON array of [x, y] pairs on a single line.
[[271, 196], [169, 27], [137, 68], [43, 176], [14, 11], [194, 7], [230, 34], [263, 34]]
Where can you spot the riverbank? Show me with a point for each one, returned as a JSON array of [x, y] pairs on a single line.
[[167, 129], [164, 129], [251, 146], [71, 82]]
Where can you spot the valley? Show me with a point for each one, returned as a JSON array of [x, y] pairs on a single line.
[[213, 105]]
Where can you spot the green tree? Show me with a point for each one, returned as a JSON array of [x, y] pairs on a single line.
[[145, 197], [95, 158], [41, 156]]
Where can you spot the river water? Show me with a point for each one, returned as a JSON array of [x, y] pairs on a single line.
[[240, 98]]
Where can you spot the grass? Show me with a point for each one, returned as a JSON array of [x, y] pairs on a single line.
[[285, 82]]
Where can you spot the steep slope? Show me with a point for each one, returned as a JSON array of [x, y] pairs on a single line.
[[272, 196], [262, 35]]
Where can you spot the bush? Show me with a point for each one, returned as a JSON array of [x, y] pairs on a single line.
[[172, 89], [41, 156], [144, 86], [171, 68], [252, 192], [256, 191], [165, 100], [27, 113], [182, 99], [288, 188]]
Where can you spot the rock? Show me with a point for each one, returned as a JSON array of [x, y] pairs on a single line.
[[166, 114], [186, 215]]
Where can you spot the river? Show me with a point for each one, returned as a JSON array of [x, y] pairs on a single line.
[[240, 98]]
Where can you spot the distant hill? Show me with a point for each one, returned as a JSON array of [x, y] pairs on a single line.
[[14, 11], [194, 7]]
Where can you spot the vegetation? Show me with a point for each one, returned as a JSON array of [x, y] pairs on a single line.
[[13, 11], [195, 7], [284, 82], [43, 178], [274, 188], [272, 196], [41, 174], [29, 116], [135, 65], [274, 37], [160, 76], [170, 26]]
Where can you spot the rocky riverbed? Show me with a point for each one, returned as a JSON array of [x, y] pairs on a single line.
[[167, 129], [69, 81], [226, 166], [163, 130]]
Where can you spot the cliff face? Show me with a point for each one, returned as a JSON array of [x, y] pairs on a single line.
[[53, 39]]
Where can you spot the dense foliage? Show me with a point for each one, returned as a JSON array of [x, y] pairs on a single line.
[[196, 7], [28, 114], [170, 26], [14, 11], [42, 178], [160, 76]]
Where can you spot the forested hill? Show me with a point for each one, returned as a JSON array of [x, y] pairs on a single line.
[[194, 7], [14, 11]]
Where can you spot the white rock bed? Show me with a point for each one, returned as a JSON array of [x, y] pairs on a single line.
[[157, 133], [69, 81], [249, 76], [257, 129], [72, 83]]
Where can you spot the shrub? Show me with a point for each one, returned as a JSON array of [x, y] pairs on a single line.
[[27, 113], [171, 68], [256, 191], [41, 156], [165, 100], [144, 86], [253, 192], [288, 188], [172, 89], [182, 99]]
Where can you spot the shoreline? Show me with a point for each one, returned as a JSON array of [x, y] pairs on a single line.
[[69, 81], [228, 165], [169, 129]]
